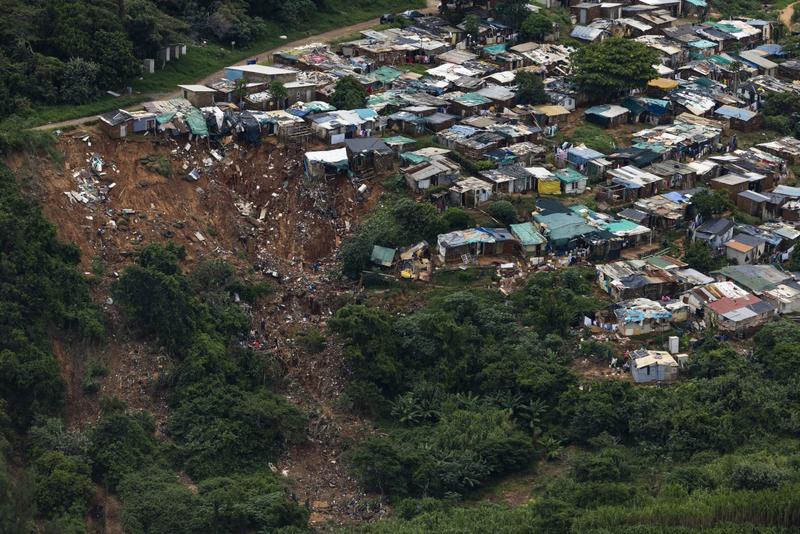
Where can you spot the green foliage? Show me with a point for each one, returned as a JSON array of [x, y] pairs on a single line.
[[607, 465], [794, 260], [472, 25], [530, 88], [58, 53], [121, 444], [94, 372], [612, 67], [504, 211], [156, 298], [220, 429], [222, 420], [698, 256], [536, 26], [158, 164], [553, 302], [40, 288], [782, 112], [466, 446], [348, 94], [156, 502], [401, 222], [80, 81], [457, 219], [278, 91], [594, 137], [61, 483], [512, 12], [312, 340], [776, 350], [710, 203]]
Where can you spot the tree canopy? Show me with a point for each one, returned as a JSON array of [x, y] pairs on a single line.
[[349, 94], [612, 67], [530, 88]]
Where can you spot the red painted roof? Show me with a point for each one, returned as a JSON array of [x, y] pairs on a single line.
[[725, 305]]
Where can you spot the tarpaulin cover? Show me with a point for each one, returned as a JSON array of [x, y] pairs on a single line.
[[196, 122], [164, 118]]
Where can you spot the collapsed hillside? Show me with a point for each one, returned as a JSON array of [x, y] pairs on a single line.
[[251, 207]]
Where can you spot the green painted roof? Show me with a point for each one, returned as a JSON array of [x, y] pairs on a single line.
[[383, 255], [413, 158], [719, 60], [621, 225], [660, 262], [569, 175], [386, 75], [472, 99], [398, 140], [495, 49], [756, 278], [527, 234]]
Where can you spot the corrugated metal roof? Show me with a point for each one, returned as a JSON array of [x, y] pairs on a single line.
[[527, 234]]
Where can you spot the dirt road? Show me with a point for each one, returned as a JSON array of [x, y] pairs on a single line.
[[787, 14], [431, 7]]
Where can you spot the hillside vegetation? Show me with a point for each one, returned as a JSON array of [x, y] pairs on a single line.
[[69, 52]]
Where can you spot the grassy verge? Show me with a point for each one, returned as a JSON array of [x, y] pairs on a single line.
[[593, 137], [201, 61]]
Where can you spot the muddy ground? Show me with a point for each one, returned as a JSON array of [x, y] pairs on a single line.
[[251, 207]]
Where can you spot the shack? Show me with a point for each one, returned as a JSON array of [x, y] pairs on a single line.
[[199, 95], [466, 245], [653, 366], [532, 242], [369, 156], [607, 116], [572, 182]]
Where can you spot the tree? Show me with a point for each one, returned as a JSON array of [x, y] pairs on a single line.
[[698, 256], [794, 260], [513, 12], [710, 203], [736, 68], [279, 94], [114, 55], [613, 67], [530, 88], [537, 26], [472, 26], [61, 483], [458, 219], [504, 211], [349, 94], [121, 444], [240, 89]]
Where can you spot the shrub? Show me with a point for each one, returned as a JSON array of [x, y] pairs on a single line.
[[503, 211]]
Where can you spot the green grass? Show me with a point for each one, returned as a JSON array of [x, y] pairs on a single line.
[[202, 61], [48, 114], [415, 67], [593, 137]]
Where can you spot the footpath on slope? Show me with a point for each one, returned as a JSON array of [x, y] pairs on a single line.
[[331, 35], [787, 14]]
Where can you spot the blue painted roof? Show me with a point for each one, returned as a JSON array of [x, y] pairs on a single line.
[[731, 112]]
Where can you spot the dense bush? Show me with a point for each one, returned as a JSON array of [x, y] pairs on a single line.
[[121, 444], [401, 222], [504, 211], [223, 421], [70, 51], [40, 288]]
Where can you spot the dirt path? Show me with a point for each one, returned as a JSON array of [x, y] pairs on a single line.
[[431, 7], [787, 14]]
